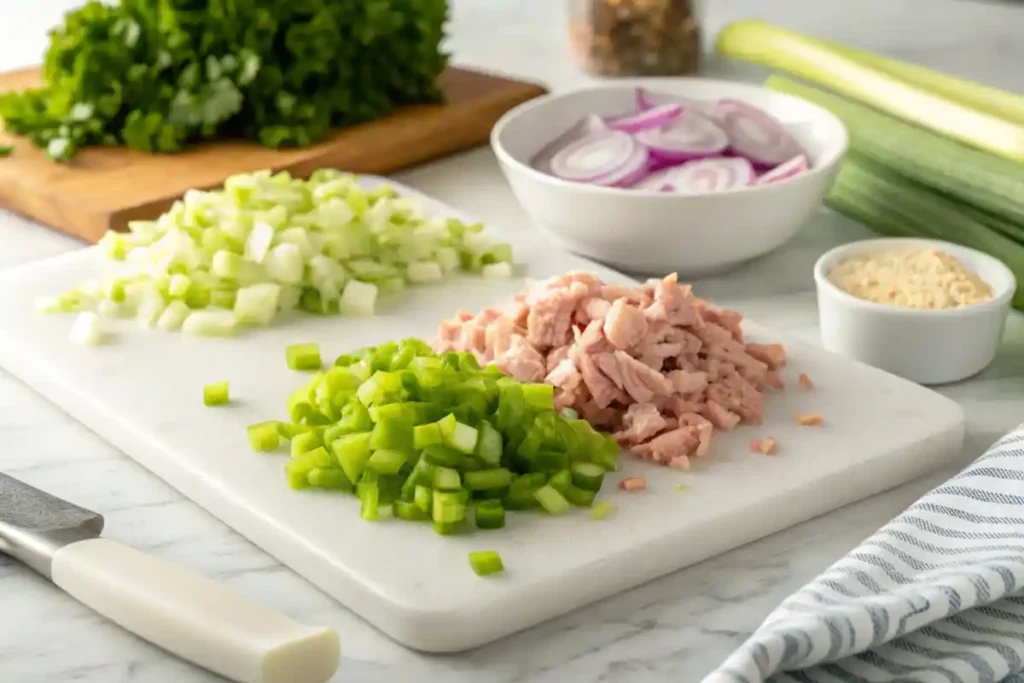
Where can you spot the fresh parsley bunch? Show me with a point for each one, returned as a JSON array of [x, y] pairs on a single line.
[[156, 74]]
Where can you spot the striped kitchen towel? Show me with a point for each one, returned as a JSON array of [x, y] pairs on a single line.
[[935, 596]]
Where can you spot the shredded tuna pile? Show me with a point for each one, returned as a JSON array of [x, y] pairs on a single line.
[[657, 366]]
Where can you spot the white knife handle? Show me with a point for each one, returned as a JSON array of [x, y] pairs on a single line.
[[193, 617]]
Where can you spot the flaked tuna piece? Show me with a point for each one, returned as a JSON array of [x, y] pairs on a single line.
[[549, 320], [592, 340], [772, 355], [671, 448], [774, 380], [686, 382], [810, 419], [473, 338], [522, 361], [591, 308], [677, 405], [652, 379], [738, 396], [487, 316], [726, 319], [556, 356], [602, 418], [449, 331], [602, 390], [565, 376], [498, 338], [580, 281], [624, 325], [720, 416], [517, 310], [705, 431], [641, 422], [463, 316], [804, 381], [633, 484], [612, 292]]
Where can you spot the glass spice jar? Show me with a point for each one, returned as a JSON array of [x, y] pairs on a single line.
[[635, 37]]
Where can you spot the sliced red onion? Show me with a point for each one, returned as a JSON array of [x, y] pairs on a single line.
[[603, 158], [588, 125], [645, 99], [756, 135], [706, 176], [793, 167], [659, 181], [688, 136], [655, 117]]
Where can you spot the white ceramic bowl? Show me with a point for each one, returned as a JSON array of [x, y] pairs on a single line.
[[654, 232], [924, 346]]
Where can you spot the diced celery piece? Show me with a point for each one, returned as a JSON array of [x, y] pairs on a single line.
[[551, 500], [215, 394], [392, 434], [424, 271], [587, 476], [408, 511], [226, 264], [304, 442], [539, 396], [579, 497], [447, 479], [424, 498], [303, 356], [264, 436], [257, 304], [283, 264], [386, 461], [88, 329], [210, 323], [486, 562], [447, 528], [494, 478], [442, 456], [561, 481], [352, 452], [427, 435], [333, 479], [179, 286], [489, 514], [298, 478], [488, 445], [458, 436], [358, 298], [497, 271], [601, 509], [448, 507], [369, 498]]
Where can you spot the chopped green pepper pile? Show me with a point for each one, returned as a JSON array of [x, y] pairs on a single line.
[[155, 74], [431, 437]]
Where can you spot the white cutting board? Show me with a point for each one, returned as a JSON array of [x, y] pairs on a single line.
[[143, 393]]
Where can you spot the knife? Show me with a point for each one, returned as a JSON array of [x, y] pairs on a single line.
[[182, 612]]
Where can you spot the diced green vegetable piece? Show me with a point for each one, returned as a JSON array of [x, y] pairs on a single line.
[[352, 452], [551, 500], [448, 507], [264, 436], [446, 479], [424, 498], [587, 476], [386, 461], [408, 511], [391, 434], [369, 498], [489, 514], [304, 442], [488, 445], [458, 436], [579, 497], [778, 48], [303, 356], [601, 509], [539, 396], [486, 562], [447, 528], [355, 418], [561, 481], [427, 435], [679, 488], [333, 479], [215, 394], [442, 456], [298, 478], [481, 480]]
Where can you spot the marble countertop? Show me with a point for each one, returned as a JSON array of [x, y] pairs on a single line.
[[673, 629]]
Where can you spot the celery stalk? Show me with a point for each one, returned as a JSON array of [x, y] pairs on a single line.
[[778, 48], [1001, 103], [975, 177]]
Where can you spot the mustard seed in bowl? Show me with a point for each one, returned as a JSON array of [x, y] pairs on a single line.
[[929, 279]]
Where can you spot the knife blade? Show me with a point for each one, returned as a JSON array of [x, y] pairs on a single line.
[[182, 612]]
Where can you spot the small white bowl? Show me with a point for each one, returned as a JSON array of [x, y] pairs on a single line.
[[655, 232], [924, 346]]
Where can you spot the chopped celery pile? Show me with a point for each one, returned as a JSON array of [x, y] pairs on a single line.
[[237, 256], [437, 438]]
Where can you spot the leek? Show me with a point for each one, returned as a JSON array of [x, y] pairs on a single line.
[[774, 47]]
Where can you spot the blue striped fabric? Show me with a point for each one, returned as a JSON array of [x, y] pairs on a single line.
[[935, 596]]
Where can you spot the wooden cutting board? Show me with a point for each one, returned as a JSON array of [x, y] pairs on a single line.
[[104, 188]]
